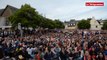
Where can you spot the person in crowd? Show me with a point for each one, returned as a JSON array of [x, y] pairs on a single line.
[[105, 52], [87, 56], [48, 54], [53, 45], [100, 56], [63, 54], [1, 53]]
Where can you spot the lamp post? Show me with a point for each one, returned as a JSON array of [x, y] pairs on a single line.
[[21, 31]]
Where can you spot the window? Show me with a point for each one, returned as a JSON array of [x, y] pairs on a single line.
[[71, 24], [96, 26]]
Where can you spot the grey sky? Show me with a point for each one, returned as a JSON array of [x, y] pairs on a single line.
[[62, 9]]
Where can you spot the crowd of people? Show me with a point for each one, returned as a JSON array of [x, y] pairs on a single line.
[[73, 45]]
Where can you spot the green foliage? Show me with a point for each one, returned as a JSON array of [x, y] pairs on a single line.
[[59, 24], [29, 17], [105, 25], [83, 24], [49, 23]]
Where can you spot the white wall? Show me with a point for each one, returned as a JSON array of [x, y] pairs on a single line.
[[2, 22], [95, 23]]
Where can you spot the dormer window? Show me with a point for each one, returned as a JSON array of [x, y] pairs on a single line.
[[71, 24]]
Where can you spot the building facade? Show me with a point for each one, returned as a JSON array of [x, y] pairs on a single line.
[[4, 14], [72, 24], [95, 24]]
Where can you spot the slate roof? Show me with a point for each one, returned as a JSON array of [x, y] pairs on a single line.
[[14, 9], [71, 22], [1, 10]]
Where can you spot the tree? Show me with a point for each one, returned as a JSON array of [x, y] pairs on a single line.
[[27, 16], [105, 25], [51, 24], [83, 24], [59, 24], [48, 23]]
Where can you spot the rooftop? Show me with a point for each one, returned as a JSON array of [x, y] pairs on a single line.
[[14, 9]]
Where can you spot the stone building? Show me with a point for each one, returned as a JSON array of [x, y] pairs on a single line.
[[95, 24], [72, 24], [4, 14]]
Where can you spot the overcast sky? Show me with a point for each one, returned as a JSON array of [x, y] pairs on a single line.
[[62, 9]]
